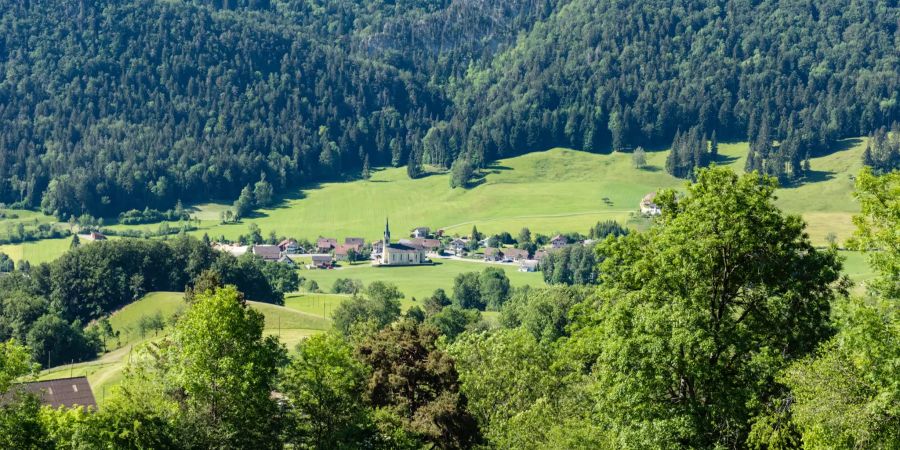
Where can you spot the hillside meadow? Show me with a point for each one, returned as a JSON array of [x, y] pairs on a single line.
[[290, 325]]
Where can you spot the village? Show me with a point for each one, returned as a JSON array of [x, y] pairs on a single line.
[[422, 246]]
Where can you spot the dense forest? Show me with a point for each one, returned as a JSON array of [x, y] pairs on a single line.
[[720, 326], [110, 106]]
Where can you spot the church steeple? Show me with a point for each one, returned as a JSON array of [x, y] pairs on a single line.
[[387, 232]]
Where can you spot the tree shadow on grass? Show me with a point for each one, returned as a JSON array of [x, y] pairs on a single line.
[[723, 160], [839, 146]]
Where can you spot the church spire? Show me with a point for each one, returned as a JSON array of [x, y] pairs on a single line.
[[387, 232]]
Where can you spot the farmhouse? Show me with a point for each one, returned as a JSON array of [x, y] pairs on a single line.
[[269, 253], [492, 254], [457, 247], [648, 207], [326, 244], [515, 254], [539, 255], [400, 254], [558, 241], [322, 262], [356, 242], [289, 246], [68, 392], [342, 252]]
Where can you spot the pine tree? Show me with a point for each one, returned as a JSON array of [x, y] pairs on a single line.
[[365, 171], [714, 146]]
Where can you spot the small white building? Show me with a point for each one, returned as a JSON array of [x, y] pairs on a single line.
[[648, 207], [528, 265]]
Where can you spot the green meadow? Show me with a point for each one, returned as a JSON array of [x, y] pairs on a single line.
[[557, 190], [289, 325], [417, 282]]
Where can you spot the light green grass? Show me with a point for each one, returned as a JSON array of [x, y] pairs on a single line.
[[322, 305], [37, 252], [417, 281]]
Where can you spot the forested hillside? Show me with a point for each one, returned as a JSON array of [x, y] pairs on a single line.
[[107, 106]]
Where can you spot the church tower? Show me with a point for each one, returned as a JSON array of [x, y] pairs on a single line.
[[387, 233], [386, 244]]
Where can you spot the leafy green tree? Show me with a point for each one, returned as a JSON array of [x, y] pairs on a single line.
[[453, 320], [436, 302], [375, 313], [225, 368], [502, 375], [245, 203], [461, 173], [324, 386], [493, 286], [383, 292], [54, 341], [876, 228], [20, 426], [543, 312], [467, 291], [847, 395], [524, 236], [263, 194], [414, 386], [639, 158], [347, 286], [698, 315]]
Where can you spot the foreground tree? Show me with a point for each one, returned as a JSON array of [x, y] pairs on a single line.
[[848, 396], [699, 314], [323, 386], [415, 388], [212, 380]]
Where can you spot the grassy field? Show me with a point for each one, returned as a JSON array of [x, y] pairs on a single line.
[[417, 281], [549, 191], [288, 324]]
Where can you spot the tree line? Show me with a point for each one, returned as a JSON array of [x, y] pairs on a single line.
[[54, 308]]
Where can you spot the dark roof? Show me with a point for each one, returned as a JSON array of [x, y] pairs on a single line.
[[66, 392], [267, 251], [326, 242], [354, 241], [402, 248], [515, 253], [490, 251], [321, 258]]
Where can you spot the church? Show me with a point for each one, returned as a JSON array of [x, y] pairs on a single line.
[[400, 254]]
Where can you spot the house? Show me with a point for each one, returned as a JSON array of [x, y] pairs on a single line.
[[430, 245], [68, 392], [648, 207], [492, 254], [515, 254], [401, 254], [539, 255], [357, 243], [558, 241], [269, 253], [289, 246], [457, 247], [326, 244], [286, 260], [528, 265], [322, 262], [93, 236], [342, 252], [420, 232]]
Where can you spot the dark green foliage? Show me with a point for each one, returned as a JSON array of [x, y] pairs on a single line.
[[416, 384], [53, 341], [607, 228], [436, 302], [136, 217], [453, 320], [374, 311], [573, 264], [486, 290], [252, 277], [467, 291], [543, 312], [690, 151], [461, 173]]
